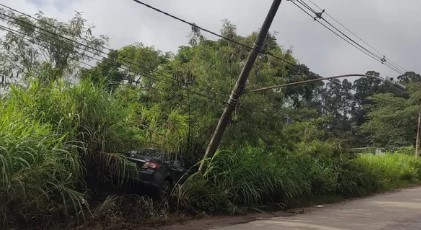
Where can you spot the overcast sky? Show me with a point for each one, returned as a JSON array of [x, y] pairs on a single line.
[[391, 26]]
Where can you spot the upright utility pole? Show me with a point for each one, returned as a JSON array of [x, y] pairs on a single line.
[[417, 143], [239, 86]]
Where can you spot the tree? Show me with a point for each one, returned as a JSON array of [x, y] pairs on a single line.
[[44, 47], [188, 90], [392, 119], [409, 77], [364, 88], [301, 95], [134, 65]]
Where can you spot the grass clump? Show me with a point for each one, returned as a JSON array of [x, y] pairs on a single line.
[[40, 172], [392, 170], [252, 177], [57, 142]]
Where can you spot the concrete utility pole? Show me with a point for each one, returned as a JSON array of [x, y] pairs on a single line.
[[417, 143], [239, 86]]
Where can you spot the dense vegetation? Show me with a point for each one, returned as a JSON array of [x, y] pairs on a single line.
[[63, 127]]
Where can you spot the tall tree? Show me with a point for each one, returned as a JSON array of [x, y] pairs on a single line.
[[43, 47]]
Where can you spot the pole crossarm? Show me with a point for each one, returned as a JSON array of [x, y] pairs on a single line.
[[390, 81]]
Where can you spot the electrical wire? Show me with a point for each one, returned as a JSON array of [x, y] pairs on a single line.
[[362, 40], [24, 36], [90, 49], [337, 30], [125, 61], [46, 22], [334, 32], [193, 25], [341, 34]]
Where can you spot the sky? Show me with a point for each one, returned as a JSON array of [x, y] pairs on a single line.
[[390, 26]]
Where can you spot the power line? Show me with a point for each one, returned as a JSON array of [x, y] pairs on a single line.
[[89, 49], [347, 38], [362, 40], [15, 21], [379, 57], [334, 32], [195, 26], [339, 31], [143, 75], [341, 34], [46, 22], [24, 36]]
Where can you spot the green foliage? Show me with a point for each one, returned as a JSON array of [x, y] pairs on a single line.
[[392, 170], [42, 48], [86, 113], [133, 65], [57, 137], [91, 118], [69, 135], [40, 171], [248, 178], [251, 177], [392, 121]]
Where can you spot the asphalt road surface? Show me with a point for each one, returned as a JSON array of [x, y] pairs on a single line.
[[390, 211]]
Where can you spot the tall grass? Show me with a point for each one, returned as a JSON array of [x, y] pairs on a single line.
[[39, 172], [252, 177], [247, 178], [56, 138], [392, 170], [88, 116]]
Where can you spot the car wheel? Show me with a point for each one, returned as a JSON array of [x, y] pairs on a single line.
[[165, 190]]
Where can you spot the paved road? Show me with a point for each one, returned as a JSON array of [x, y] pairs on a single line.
[[390, 211]]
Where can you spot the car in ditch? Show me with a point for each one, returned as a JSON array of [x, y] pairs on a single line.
[[156, 172]]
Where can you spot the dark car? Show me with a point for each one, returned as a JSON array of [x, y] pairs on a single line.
[[157, 171]]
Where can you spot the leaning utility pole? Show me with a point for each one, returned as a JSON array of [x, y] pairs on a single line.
[[239, 86]]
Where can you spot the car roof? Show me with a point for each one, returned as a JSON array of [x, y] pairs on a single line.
[[153, 153]]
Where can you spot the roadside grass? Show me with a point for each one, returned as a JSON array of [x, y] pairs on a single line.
[[58, 143], [392, 170], [40, 173], [237, 180]]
